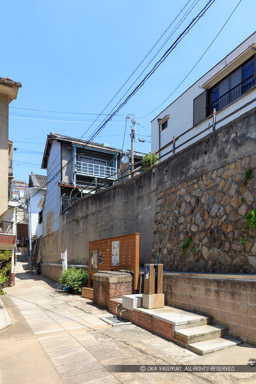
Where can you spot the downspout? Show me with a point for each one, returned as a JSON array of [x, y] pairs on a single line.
[[116, 170], [159, 136], [74, 165]]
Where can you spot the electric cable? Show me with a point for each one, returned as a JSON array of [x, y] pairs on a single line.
[[194, 66], [149, 74], [123, 85], [137, 78]]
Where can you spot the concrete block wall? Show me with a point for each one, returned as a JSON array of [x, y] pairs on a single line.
[[51, 271], [231, 301]]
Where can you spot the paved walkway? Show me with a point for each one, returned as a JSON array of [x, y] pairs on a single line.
[[59, 338]]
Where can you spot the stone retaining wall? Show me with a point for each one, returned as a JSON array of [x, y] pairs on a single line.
[[201, 225]]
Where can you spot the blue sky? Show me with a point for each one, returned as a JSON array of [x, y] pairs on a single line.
[[74, 56]]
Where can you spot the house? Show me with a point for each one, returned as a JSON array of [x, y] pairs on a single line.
[[223, 94], [35, 195], [74, 169], [8, 92], [18, 190]]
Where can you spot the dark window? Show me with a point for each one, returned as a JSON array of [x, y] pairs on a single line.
[[232, 86], [40, 217], [164, 125]]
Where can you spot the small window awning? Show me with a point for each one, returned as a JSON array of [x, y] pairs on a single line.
[[239, 60]]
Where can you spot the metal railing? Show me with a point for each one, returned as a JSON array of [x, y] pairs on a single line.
[[95, 170], [6, 227], [231, 95]]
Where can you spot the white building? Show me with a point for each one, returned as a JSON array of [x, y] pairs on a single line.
[[35, 195], [227, 89]]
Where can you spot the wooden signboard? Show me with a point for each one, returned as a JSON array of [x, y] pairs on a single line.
[[114, 254]]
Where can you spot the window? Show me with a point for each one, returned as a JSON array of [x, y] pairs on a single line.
[[165, 125], [91, 160], [40, 217], [232, 86]]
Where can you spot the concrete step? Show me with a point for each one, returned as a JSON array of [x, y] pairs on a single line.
[[204, 332], [179, 318], [213, 345]]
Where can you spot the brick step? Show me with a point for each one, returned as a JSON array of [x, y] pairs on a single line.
[[213, 345], [202, 333]]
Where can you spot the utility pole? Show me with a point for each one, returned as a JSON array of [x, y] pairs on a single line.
[[132, 144]]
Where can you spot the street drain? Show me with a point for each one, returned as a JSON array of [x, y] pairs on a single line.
[[115, 320]]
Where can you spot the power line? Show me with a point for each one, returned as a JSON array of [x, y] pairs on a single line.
[[155, 55], [53, 119], [149, 74], [64, 112], [138, 66], [157, 65], [194, 66]]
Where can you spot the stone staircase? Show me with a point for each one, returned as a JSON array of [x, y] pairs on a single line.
[[202, 337], [190, 330]]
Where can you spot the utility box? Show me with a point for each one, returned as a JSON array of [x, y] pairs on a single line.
[[115, 254], [153, 296]]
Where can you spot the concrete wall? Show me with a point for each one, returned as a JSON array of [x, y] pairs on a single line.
[[231, 301], [52, 201], [179, 121], [4, 105], [143, 205]]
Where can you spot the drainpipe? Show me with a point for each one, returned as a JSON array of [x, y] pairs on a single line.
[[214, 119], [74, 165], [159, 136]]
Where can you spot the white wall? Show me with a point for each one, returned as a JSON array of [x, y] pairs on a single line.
[[52, 201], [35, 207], [181, 110]]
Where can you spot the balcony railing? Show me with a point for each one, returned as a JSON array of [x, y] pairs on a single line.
[[231, 95], [95, 170], [6, 227]]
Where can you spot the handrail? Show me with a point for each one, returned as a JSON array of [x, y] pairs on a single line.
[[224, 99], [94, 170], [209, 127]]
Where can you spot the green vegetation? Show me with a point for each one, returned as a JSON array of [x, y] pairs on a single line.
[[185, 245], [74, 279], [243, 240], [247, 176], [5, 267], [149, 160], [251, 219]]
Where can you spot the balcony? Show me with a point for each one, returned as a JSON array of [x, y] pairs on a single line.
[[231, 95], [95, 170]]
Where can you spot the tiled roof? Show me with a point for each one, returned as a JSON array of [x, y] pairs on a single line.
[[37, 181]]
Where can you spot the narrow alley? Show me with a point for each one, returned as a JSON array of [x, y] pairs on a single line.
[[57, 337]]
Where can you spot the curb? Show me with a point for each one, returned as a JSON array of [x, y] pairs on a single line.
[[7, 319]]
